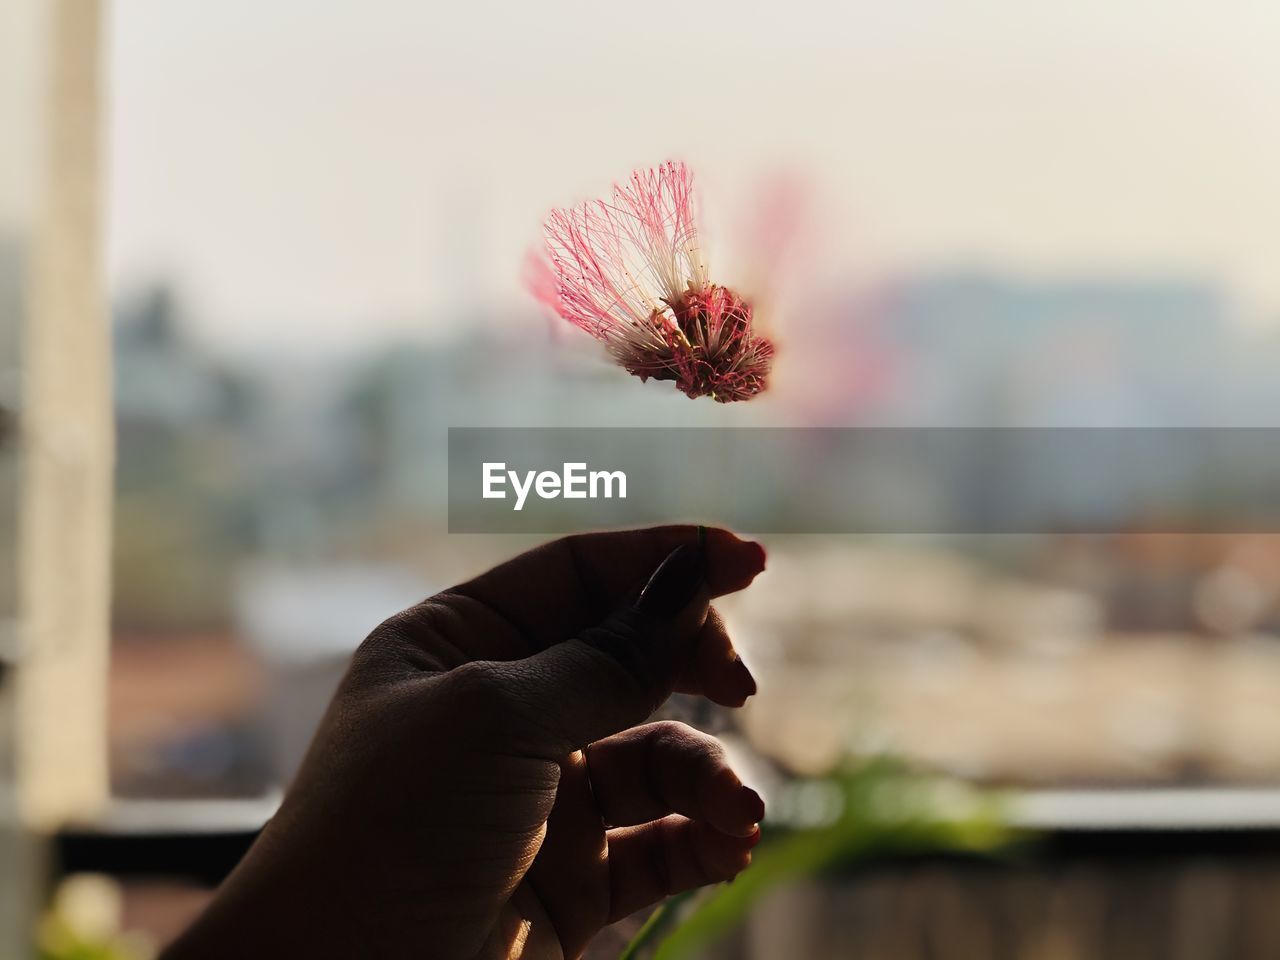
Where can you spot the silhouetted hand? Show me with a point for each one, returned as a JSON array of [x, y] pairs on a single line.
[[479, 786]]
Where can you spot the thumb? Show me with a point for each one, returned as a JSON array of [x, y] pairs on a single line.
[[614, 675]]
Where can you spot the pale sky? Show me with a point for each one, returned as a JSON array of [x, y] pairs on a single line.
[[328, 170]]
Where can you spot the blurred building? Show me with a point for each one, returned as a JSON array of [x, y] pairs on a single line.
[[982, 349]]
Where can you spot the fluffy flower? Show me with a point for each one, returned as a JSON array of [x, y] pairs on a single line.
[[628, 270]]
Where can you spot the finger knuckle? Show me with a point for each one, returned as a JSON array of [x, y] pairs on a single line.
[[479, 684], [672, 732], [405, 636]]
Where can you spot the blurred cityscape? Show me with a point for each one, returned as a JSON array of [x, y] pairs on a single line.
[[272, 508]]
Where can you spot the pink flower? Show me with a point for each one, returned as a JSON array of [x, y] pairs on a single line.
[[628, 270]]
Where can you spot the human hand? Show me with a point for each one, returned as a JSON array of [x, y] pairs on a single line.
[[479, 786]]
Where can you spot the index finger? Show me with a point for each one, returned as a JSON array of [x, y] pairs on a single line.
[[556, 590]]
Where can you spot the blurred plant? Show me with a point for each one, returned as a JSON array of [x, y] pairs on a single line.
[[83, 923], [871, 809]]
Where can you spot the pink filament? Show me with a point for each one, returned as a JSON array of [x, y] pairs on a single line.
[[628, 270]]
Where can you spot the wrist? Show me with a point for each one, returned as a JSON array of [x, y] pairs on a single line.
[[274, 904]]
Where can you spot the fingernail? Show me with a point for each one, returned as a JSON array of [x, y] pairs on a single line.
[[755, 804], [763, 556], [674, 583], [744, 678], [754, 838]]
